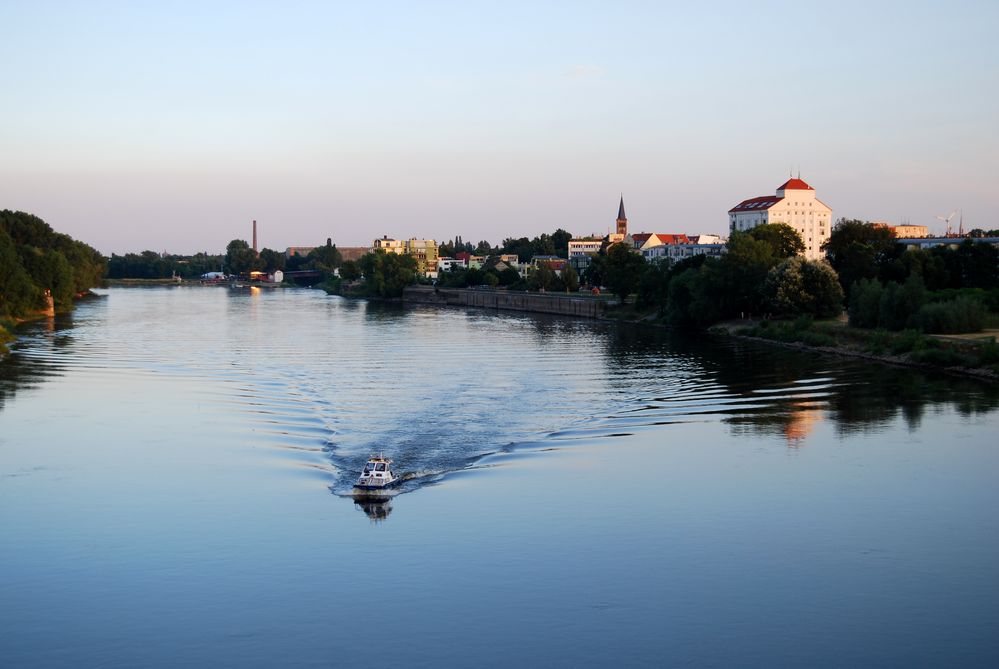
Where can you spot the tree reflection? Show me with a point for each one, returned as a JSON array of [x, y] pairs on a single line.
[[769, 390], [19, 371]]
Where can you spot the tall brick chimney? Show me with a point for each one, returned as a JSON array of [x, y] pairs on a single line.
[[254, 236]]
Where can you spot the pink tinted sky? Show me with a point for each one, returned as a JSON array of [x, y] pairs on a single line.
[[171, 127]]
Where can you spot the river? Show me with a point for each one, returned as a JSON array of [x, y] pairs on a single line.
[[175, 464]]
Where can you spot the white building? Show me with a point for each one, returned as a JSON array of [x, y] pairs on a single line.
[[446, 264], [794, 204], [677, 252], [390, 245], [582, 250]]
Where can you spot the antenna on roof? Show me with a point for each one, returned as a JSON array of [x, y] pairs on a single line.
[[799, 172]]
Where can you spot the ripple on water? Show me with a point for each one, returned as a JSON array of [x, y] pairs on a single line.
[[307, 376]]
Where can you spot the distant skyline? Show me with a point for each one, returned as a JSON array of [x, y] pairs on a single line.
[[171, 126]]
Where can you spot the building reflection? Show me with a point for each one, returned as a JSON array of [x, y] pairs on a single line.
[[801, 422]]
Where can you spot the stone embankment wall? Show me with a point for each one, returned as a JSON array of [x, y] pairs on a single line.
[[544, 303]]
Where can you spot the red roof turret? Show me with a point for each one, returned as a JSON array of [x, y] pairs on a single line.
[[795, 184]]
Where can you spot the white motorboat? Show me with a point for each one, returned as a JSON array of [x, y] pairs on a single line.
[[377, 475]]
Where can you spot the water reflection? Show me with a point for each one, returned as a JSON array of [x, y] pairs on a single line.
[[35, 356], [767, 390], [333, 380], [375, 509]]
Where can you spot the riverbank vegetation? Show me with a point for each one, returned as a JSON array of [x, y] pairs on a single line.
[[38, 263], [908, 346]]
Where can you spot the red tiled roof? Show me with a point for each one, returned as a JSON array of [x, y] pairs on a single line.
[[642, 237], [757, 203], [673, 239], [795, 184]]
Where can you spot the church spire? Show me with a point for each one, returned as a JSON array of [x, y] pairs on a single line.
[[622, 220]]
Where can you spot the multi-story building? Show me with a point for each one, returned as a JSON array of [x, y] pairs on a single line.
[[424, 250], [581, 250], [676, 252], [302, 251], [909, 231], [794, 204], [647, 240], [448, 264], [389, 245]]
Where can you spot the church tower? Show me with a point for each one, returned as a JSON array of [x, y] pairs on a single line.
[[622, 220]]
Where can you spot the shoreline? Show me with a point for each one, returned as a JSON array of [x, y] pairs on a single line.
[[465, 298], [978, 373]]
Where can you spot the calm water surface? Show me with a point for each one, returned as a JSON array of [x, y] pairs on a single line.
[[174, 464]]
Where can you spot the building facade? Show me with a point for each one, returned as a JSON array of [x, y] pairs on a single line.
[[677, 252], [423, 250], [794, 204]]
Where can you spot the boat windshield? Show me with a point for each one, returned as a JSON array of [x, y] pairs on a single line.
[[380, 467]]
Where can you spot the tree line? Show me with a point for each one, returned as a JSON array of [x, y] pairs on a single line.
[[35, 261]]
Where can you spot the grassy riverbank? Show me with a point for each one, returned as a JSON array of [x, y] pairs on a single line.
[[975, 354], [971, 354]]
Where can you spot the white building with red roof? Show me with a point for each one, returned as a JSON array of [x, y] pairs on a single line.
[[647, 240], [794, 204]]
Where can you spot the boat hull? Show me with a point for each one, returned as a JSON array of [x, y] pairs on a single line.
[[375, 488]]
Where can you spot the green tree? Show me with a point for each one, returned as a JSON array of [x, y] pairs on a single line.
[[349, 271], [325, 258], [739, 275], [593, 273], [865, 303], [387, 274], [271, 260], [784, 241], [803, 287], [34, 258], [692, 296], [570, 278], [18, 294], [900, 303], [239, 257], [623, 270], [560, 240], [856, 250], [542, 278], [508, 277], [979, 264], [653, 290]]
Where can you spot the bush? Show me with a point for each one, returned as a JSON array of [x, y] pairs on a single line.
[[906, 341], [899, 304], [878, 342], [798, 286], [942, 357], [817, 339], [988, 354], [865, 303], [958, 316]]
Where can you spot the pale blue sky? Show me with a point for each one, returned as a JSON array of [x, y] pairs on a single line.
[[170, 125]]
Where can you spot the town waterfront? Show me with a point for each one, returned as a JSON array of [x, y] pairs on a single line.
[[174, 463]]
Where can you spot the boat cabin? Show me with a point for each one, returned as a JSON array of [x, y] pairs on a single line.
[[377, 473]]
